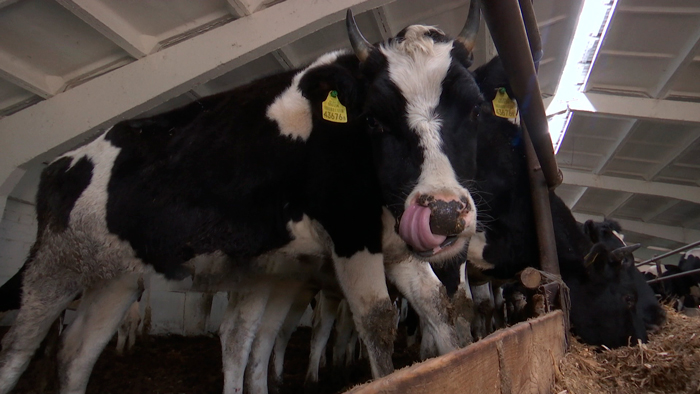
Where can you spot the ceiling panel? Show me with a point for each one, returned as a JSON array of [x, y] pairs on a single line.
[[164, 19], [43, 36]]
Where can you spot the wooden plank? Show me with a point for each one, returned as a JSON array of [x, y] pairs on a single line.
[[520, 359]]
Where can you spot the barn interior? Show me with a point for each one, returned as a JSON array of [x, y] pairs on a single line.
[[620, 80]]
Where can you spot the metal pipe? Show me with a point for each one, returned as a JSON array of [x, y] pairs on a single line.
[[686, 273], [671, 253], [549, 262], [532, 30], [510, 38]]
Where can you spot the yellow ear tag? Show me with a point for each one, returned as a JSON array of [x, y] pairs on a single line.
[[333, 110], [504, 106]]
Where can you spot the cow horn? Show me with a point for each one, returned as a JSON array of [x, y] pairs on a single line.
[[619, 253], [471, 27], [359, 43]]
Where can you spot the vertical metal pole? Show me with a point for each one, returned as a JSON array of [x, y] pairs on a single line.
[[549, 261]]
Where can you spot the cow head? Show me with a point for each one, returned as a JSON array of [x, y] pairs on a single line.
[[419, 108], [604, 300]]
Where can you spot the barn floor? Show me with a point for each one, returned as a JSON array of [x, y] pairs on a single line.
[[669, 363], [192, 365]]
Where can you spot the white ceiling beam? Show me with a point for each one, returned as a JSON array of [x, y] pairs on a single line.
[[673, 154], [63, 121], [680, 192], [635, 107], [243, 8], [112, 26], [677, 234], [379, 16], [619, 143], [28, 77]]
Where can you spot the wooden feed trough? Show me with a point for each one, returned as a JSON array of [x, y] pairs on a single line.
[[519, 359]]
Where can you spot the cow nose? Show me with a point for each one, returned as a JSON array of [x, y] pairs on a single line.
[[446, 214]]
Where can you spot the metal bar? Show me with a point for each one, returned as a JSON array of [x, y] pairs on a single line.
[[549, 261], [671, 253], [686, 273], [532, 30], [509, 36]]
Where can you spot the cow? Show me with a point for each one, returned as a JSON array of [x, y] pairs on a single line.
[[603, 294], [609, 232], [257, 177], [684, 288]]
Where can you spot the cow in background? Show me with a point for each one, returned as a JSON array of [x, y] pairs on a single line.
[[603, 295], [685, 289], [609, 232]]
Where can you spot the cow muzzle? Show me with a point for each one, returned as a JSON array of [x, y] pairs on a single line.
[[431, 223]]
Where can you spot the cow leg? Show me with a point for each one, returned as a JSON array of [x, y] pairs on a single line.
[[301, 302], [463, 304], [424, 291], [484, 306], [101, 309], [276, 311], [45, 294], [126, 333], [344, 328], [499, 318], [363, 282], [237, 331], [324, 317]]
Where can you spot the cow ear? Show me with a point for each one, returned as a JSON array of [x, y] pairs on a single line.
[[589, 230], [597, 258], [342, 83]]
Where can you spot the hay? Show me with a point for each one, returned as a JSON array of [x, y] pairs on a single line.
[[669, 363]]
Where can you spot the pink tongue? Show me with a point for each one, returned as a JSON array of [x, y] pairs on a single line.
[[415, 229]]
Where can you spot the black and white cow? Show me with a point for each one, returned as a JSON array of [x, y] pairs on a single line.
[[602, 295], [257, 177], [686, 289]]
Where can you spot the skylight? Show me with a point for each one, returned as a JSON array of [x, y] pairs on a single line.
[[590, 30]]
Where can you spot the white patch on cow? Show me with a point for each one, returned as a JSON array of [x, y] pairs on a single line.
[[475, 252], [291, 110], [103, 254], [417, 66]]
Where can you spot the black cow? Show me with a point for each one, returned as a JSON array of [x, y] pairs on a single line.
[[609, 232], [253, 178], [603, 294]]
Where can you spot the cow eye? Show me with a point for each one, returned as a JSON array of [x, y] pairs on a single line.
[[374, 125], [629, 301]]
